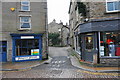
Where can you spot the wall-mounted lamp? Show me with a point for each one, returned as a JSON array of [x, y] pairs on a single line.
[[12, 9], [86, 20]]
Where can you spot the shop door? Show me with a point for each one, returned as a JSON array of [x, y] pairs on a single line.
[[89, 46], [3, 51]]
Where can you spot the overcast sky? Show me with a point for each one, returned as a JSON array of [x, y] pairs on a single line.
[[58, 10]]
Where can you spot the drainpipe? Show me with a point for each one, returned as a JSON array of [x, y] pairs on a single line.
[[46, 32]]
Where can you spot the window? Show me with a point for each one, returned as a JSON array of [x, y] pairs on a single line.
[[113, 6], [110, 44], [89, 42], [25, 6], [25, 22], [27, 47]]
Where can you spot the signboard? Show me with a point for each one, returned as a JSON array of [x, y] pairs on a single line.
[[27, 37], [101, 50], [35, 52], [26, 58]]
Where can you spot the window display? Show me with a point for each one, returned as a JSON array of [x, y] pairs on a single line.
[[111, 43], [27, 47]]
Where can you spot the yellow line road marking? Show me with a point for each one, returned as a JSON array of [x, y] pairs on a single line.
[[97, 73]]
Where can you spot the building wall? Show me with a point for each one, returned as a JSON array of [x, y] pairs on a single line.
[[110, 61], [63, 30], [11, 22], [54, 27], [94, 11], [72, 22], [10, 19], [97, 10]]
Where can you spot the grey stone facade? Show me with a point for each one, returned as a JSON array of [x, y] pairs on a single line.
[[63, 30], [11, 22], [97, 19]]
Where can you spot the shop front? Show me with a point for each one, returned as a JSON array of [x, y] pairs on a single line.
[[110, 48], [100, 42], [26, 47]]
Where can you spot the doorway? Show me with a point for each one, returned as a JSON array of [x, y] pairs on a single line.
[[89, 46], [3, 51]]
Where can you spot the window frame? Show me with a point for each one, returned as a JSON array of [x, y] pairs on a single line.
[[22, 5], [107, 1], [27, 47], [25, 22], [86, 43]]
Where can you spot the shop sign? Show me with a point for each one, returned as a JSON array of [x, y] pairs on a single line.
[[101, 50], [35, 52], [26, 58], [27, 37]]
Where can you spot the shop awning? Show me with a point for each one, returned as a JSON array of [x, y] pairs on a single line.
[[106, 25]]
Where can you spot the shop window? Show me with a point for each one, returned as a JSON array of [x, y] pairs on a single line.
[[25, 6], [110, 44], [89, 42], [113, 5], [25, 22], [27, 47]]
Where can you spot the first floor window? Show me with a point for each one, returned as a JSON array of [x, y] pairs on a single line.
[[25, 22], [25, 6], [113, 5], [27, 47]]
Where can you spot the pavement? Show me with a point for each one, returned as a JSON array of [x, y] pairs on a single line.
[[75, 62]]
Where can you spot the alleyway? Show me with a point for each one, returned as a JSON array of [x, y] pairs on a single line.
[[59, 67]]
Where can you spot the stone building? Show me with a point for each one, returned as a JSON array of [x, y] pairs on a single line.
[[23, 33], [95, 30], [63, 30]]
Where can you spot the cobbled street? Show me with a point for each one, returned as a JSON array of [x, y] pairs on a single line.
[[59, 67]]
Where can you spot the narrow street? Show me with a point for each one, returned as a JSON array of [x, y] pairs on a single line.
[[59, 67]]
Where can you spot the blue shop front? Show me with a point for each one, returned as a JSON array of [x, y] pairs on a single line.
[[26, 47]]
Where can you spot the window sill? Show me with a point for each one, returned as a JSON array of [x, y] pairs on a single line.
[[24, 11], [108, 12], [112, 57], [23, 29]]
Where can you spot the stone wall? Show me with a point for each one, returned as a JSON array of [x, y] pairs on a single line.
[[110, 61], [97, 10]]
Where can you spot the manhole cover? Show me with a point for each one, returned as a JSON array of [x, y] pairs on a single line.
[[46, 63], [56, 71]]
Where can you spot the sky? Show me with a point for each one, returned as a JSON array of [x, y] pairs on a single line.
[[58, 10]]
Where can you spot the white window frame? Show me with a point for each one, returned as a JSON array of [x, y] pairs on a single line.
[[25, 22], [107, 5], [25, 5]]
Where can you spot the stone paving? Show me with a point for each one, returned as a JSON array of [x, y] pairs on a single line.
[[59, 67]]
